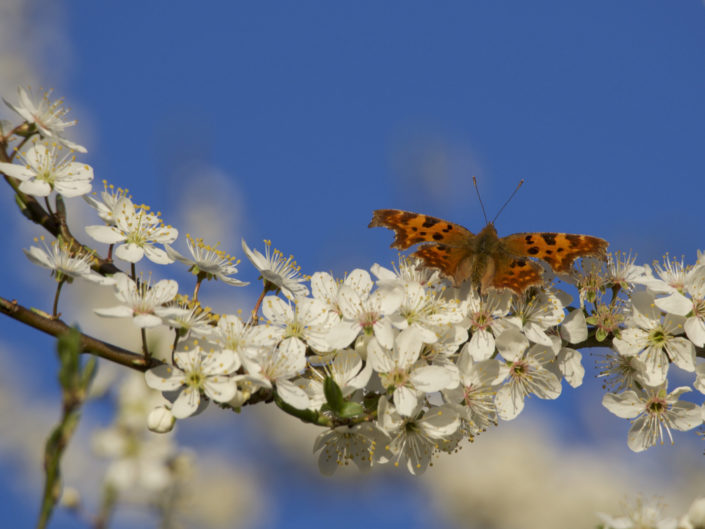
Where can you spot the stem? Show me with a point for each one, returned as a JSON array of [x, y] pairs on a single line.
[[54, 312], [255, 310], [48, 205], [145, 349], [133, 272], [198, 287]]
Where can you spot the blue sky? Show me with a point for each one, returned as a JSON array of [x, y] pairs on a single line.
[[316, 113]]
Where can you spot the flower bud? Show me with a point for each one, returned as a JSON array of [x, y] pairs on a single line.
[[160, 420]]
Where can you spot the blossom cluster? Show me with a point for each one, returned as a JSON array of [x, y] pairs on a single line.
[[397, 364]]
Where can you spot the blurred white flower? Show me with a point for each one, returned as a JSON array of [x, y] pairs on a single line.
[[46, 115]]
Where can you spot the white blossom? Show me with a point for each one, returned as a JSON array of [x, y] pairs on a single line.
[[195, 372], [400, 372], [140, 302], [525, 372], [46, 115], [135, 232], [652, 411], [42, 170], [416, 437], [280, 272], [655, 339], [208, 260]]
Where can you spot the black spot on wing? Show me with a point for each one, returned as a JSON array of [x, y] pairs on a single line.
[[533, 250], [429, 222], [549, 238]]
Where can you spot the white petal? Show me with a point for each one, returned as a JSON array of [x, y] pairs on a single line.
[[570, 365], [164, 290], [342, 334], [384, 332], [16, 171], [105, 234], [682, 352], [685, 416], [164, 378], [119, 311], [277, 310], [676, 303], [440, 422], [186, 403], [360, 281], [350, 303], [405, 400], [379, 358], [408, 347], [220, 388], [574, 327], [632, 341], [129, 252], [38, 257], [38, 188], [481, 345], [292, 394], [512, 344], [157, 255], [292, 348], [640, 435], [626, 405], [146, 320], [695, 330], [509, 402], [434, 378]]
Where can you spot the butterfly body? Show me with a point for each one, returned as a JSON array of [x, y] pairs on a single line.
[[487, 260]]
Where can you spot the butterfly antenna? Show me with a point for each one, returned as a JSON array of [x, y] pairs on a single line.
[[508, 200], [477, 190]]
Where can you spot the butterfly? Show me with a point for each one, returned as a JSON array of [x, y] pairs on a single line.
[[486, 259]]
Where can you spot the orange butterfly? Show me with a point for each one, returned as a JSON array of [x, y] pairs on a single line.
[[486, 259]]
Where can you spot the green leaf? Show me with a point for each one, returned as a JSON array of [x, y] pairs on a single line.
[[600, 335], [334, 395], [351, 409]]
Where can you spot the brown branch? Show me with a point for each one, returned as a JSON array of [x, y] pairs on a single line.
[[56, 327]]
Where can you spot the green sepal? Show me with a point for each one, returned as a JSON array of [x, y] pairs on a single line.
[[334, 395], [351, 409], [601, 335], [304, 415]]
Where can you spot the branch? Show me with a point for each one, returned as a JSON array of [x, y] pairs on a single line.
[[56, 327]]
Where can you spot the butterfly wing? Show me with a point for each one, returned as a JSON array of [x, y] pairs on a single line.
[[515, 273], [558, 249], [413, 228], [447, 244]]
